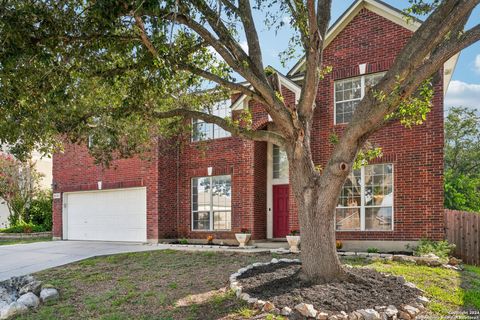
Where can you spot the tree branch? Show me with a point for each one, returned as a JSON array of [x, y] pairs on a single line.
[[314, 55], [237, 131], [221, 81], [251, 34]]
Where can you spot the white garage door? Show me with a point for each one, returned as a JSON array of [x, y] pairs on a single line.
[[108, 215]]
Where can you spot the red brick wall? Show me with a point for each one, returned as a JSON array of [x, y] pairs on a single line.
[[74, 170], [417, 153]]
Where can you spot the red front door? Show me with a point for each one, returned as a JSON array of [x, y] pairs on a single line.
[[280, 210]]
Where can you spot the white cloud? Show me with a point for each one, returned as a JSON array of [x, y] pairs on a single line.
[[463, 94], [477, 63]]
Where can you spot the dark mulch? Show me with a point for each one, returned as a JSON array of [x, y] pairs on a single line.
[[281, 284]]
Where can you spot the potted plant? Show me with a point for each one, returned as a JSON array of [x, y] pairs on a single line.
[[210, 239], [293, 239], [243, 237]]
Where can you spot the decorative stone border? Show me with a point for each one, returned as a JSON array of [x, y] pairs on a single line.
[[405, 311], [211, 246], [32, 235], [428, 260]]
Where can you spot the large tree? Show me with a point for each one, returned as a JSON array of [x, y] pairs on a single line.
[[123, 70]]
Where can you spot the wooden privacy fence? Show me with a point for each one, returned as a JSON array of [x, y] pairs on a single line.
[[463, 229]]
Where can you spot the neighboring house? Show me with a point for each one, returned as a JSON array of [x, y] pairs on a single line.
[[228, 183], [44, 166]]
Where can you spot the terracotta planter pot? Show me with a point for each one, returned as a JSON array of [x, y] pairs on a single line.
[[243, 238], [293, 241]]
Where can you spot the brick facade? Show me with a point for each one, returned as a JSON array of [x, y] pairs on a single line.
[[417, 156]]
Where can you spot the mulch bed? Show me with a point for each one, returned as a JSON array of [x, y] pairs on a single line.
[[280, 284]]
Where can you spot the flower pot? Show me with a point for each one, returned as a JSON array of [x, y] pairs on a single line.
[[294, 241], [242, 238]]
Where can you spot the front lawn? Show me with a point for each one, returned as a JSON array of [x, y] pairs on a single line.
[[190, 285]]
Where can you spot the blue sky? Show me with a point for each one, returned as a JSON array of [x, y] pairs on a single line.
[[463, 90]]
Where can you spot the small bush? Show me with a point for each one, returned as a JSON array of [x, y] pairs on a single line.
[[24, 228], [40, 212], [183, 241], [372, 250], [442, 249]]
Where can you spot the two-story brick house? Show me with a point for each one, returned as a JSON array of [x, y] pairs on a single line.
[[216, 184]]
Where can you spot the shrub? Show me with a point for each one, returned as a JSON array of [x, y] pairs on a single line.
[[294, 233], [24, 228], [40, 211], [183, 241], [372, 250], [442, 249]]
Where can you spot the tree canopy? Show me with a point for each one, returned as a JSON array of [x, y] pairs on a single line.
[[462, 159]]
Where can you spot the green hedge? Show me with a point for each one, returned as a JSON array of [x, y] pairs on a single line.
[[25, 228]]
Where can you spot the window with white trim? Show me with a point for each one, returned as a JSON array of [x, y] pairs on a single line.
[[349, 92], [212, 203], [280, 163], [202, 130], [366, 200]]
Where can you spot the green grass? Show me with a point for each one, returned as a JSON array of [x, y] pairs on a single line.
[[171, 285], [20, 241], [449, 290]]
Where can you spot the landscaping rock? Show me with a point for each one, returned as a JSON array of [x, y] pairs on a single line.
[[322, 316], [268, 307], [34, 286], [259, 304], [412, 311], [391, 311], [404, 315], [49, 294], [423, 300], [352, 316], [358, 315], [369, 314], [454, 261], [306, 310], [274, 260], [252, 300], [5, 296], [286, 311], [245, 296], [13, 309], [402, 258], [426, 261], [29, 300]]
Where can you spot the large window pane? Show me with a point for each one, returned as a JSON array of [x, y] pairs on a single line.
[[348, 218], [280, 163], [211, 203], [201, 220], [378, 218]]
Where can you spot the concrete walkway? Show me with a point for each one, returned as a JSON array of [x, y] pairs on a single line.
[[23, 259]]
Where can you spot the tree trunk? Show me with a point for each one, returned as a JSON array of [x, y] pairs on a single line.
[[316, 203]]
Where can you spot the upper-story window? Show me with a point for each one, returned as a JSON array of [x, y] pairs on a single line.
[[349, 92], [208, 131], [280, 163]]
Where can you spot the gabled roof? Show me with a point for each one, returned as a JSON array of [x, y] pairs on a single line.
[[284, 82], [387, 11], [379, 7]]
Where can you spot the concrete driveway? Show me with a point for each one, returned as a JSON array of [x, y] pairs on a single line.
[[22, 259]]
